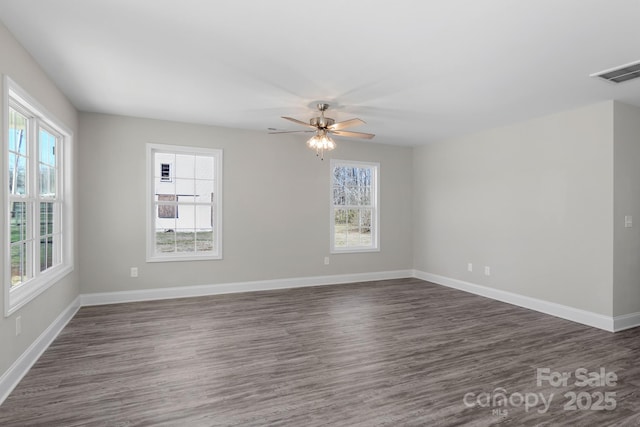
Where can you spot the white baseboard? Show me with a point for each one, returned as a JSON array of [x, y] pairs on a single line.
[[227, 288], [20, 367], [588, 318], [626, 321]]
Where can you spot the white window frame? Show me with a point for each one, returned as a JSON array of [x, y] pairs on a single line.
[[375, 212], [152, 255], [17, 296]]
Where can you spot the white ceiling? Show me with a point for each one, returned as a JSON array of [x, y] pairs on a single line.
[[415, 71]]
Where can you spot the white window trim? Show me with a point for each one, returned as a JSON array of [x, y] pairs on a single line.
[[20, 295], [375, 215], [151, 149]]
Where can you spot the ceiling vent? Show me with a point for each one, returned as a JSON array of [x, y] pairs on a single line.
[[620, 74]]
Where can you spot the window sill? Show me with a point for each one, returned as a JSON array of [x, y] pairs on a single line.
[[191, 257], [26, 292], [335, 251]]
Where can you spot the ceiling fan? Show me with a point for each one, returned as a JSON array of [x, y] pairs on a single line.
[[323, 126]]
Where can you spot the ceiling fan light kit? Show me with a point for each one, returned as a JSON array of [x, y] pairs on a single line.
[[321, 142], [323, 126]]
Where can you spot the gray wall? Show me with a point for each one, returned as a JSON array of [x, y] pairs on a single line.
[[276, 206], [534, 201], [38, 314], [626, 202]]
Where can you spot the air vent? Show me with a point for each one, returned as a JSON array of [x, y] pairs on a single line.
[[620, 74]]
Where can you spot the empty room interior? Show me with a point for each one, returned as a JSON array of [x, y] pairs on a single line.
[[320, 214]]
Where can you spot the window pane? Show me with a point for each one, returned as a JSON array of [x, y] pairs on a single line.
[[353, 217], [46, 218], [19, 272], [185, 188], [204, 167], [364, 177], [204, 240], [167, 210], [340, 237], [365, 237], [352, 195], [185, 166], [47, 147], [204, 217], [185, 241], [340, 227], [17, 174], [365, 218], [52, 182], [165, 240], [43, 146], [164, 187], [47, 181], [186, 217], [204, 191], [366, 196], [17, 132], [46, 253], [18, 221], [339, 196], [353, 236], [44, 180], [159, 160], [53, 148]]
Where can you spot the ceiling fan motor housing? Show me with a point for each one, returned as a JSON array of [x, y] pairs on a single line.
[[321, 122]]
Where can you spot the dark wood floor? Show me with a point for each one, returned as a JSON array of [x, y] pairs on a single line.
[[396, 352]]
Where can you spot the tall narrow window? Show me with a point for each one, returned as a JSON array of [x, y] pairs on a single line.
[[354, 210], [184, 208], [37, 202]]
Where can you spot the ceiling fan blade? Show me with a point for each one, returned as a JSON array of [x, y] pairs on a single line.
[[352, 134], [293, 131], [298, 122], [347, 123]]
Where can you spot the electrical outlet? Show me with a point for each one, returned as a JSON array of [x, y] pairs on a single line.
[[134, 271], [628, 221], [469, 267], [326, 260], [487, 271], [18, 325]]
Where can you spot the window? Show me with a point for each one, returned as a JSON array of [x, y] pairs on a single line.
[[354, 210], [185, 203], [37, 203], [165, 172]]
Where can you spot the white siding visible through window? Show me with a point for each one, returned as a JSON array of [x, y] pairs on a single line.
[[354, 210], [184, 203]]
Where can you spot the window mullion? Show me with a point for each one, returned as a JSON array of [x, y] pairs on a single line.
[[34, 191]]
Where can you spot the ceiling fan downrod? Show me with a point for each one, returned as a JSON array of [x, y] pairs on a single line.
[[322, 122]]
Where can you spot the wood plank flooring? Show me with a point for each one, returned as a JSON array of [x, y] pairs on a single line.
[[397, 353]]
